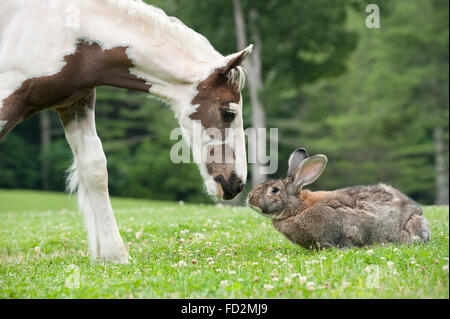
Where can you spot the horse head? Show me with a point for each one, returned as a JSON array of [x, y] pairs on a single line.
[[216, 111]]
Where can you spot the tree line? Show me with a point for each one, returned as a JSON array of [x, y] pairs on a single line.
[[375, 101]]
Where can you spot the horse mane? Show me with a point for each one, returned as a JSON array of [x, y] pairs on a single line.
[[236, 76], [159, 20], [193, 41]]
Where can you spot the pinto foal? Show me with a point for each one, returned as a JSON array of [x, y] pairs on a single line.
[[54, 53]]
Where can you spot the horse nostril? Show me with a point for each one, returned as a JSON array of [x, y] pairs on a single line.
[[219, 179], [240, 186], [230, 187]]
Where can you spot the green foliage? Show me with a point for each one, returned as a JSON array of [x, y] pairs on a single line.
[[19, 167], [376, 121], [372, 112], [238, 254]]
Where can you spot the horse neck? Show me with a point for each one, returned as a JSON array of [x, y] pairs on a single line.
[[169, 68]]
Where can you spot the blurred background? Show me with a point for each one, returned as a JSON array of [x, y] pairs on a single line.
[[375, 101]]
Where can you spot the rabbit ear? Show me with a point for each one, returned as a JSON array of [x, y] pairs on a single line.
[[310, 169], [295, 160]]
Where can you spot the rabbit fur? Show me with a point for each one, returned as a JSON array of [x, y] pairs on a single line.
[[349, 217]]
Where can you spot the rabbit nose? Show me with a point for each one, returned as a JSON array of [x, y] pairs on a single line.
[[230, 187]]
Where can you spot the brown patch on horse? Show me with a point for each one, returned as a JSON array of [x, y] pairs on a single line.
[[215, 93], [225, 164], [89, 66], [78, 110]]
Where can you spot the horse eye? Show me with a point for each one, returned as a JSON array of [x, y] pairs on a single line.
[[228, 115], [275, 190]]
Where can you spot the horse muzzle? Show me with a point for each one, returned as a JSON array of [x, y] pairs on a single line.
[[231, 187]]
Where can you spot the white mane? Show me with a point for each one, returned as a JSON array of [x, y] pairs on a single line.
[[237, 76], [158, 19]]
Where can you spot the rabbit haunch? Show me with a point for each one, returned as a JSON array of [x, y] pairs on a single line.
[[348, 217]]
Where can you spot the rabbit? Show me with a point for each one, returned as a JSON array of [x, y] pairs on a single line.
[[348, 217]]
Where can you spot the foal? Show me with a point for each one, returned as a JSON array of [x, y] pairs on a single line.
[[54, 53]]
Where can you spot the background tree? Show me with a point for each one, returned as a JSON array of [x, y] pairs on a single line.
[[374, 100], [386, 119], [283, 56]]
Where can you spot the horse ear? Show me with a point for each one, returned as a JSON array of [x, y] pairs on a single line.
[[236, 59]]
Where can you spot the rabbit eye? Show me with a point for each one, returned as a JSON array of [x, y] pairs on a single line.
[[275, 190]]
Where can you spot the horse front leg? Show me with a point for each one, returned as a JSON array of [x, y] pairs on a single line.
[[89, 174]]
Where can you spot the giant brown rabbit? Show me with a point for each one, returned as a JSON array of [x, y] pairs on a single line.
[[347, 217]]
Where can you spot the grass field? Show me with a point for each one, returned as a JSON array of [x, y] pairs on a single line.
[[198, 251]]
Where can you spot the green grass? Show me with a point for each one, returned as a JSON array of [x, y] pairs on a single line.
[[239, 255]]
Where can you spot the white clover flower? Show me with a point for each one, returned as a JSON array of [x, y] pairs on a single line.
[[310, 286], [138, 235], [275, 279], [445, 268], [370, 252], [231, 272], [345, 284], [268, 287], [390, 264], [181, 263], [218, 270], [199, 236], [301, 280], [37, 250], [224, 283], [287, 282], [184, 232]]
